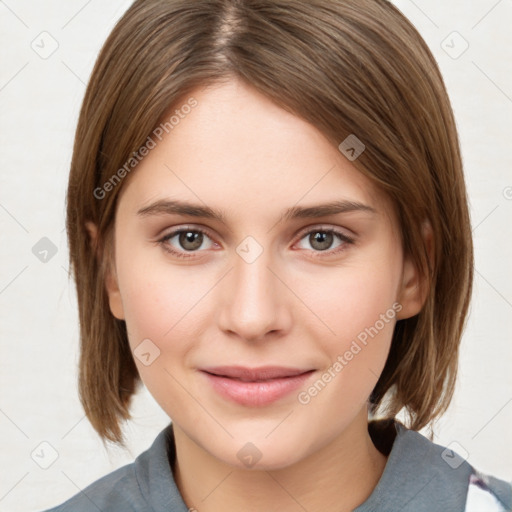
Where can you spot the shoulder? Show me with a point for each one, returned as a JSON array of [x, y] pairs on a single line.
[[421, 476], [452, 474], [114, 492], [135, 487]]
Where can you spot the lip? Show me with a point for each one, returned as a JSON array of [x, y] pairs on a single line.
[[255, 387]]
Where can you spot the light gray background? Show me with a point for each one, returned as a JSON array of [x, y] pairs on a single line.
[[39, 103]]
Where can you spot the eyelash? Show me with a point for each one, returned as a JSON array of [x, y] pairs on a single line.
[[318, 254]]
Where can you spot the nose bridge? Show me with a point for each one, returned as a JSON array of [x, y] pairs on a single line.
[[254, 303]]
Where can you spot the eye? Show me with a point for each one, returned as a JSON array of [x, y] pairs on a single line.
[[186, 240], [326, 240]]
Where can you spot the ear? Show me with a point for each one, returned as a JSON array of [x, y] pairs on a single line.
[[111, 284], [415, 284]]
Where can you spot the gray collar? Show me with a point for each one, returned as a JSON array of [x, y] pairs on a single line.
[[420, 476]]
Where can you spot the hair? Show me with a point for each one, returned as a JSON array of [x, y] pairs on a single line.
[[346, 67]]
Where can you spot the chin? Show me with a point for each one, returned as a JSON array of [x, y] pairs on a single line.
[[251, 452]]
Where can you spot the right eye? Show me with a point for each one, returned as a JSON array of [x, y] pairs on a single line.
[[186, 240]]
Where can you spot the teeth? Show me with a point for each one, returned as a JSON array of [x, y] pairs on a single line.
[[245, 379], [241, 379]]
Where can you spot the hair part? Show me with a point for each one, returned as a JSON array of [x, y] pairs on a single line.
[[346, 67]]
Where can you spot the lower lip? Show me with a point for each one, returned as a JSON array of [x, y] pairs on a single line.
[[256, 394]]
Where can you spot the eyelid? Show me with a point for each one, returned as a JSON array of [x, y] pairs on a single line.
[[175, 230], [322, 227]]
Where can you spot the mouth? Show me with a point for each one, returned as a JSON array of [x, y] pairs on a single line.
[[254, 374], [253, 387]]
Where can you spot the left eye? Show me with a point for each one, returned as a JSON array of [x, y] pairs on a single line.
[[322, 240]]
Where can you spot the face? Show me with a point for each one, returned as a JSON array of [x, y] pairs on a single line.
[[244, 241]]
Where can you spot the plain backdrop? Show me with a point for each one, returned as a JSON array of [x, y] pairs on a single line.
[[47, 53]]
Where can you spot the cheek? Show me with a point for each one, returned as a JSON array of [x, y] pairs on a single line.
[[358, 309], [160, 301], [163, 310], [165, 304], [351, 299]]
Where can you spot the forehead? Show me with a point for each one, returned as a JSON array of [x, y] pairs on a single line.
[[238, 150]]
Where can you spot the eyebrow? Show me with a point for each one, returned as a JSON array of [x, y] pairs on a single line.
[[169, 207]]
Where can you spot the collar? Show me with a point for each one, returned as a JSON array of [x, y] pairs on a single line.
[[419, 476]]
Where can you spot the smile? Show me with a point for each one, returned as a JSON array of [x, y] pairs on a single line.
[[255, 387]]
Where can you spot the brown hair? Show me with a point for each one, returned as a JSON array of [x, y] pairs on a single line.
[[345, 66]]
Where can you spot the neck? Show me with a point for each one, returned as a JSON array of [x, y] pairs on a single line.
[[338, 477]]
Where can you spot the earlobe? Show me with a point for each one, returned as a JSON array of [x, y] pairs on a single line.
[[412, 294], [111, 284], [415, 284]]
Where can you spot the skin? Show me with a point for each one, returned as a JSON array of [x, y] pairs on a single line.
[[294, 306]]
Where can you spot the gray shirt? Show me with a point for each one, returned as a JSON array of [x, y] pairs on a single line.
[[419, 476]]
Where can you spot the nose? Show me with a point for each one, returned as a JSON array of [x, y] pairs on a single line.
[[254, 303]]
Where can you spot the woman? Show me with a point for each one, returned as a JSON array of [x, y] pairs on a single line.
[[268, 227]]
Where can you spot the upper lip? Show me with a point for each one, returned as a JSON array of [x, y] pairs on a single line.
[[252, 374]]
